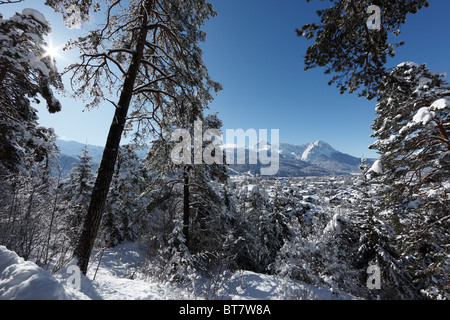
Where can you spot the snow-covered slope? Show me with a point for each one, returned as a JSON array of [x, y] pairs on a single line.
[[316, 150], [293, 151], [322, 155], [23, 280], [118, 278]]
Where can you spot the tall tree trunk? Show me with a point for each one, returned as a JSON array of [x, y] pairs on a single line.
[[91, 225], [186, 211]]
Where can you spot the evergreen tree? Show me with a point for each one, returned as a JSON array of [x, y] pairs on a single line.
[[207, 201], [375, 245], [26, 74], [194, 188], [27, 150], [322, 256], [124, 199], [412, 130], [259, 226], [265, 228], [241, 240], [77, 190]]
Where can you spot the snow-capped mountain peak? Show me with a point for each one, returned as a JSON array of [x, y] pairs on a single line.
[[317, 149]]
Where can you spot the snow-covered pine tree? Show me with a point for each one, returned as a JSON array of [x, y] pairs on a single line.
[[124, 202], [194, 188], [207, 206], [413, 130], [148, 52], [240, 238], [266, 229], [375, 245], [306, 256], [26, 75], [27, 150], [411, 127], [76, 193], [277, 231]]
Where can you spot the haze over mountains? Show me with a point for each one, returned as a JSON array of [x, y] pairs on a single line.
[[311, 159]]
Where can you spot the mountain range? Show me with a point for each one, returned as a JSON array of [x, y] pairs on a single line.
[[311, 159]]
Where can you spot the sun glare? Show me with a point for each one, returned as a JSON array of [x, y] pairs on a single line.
[[51, 51]]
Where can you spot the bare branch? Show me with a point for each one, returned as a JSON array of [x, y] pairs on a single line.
[[108, 57], [9, 1]]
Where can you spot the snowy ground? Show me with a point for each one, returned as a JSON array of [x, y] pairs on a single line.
[[118, 277]]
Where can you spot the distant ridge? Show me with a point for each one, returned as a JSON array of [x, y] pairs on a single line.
[[311, 159]]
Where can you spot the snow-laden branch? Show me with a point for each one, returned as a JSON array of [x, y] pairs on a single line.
[[107, 57], [148, 85], [9, 1], [155, 91]]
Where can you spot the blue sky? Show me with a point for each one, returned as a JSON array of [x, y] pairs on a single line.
[[253, 51]]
